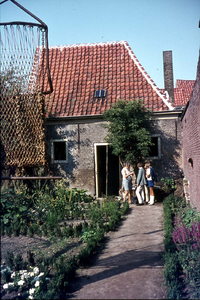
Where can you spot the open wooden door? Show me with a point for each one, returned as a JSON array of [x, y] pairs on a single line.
[[106, 171]]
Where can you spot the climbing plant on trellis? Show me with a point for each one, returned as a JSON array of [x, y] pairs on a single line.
[[24, 79]]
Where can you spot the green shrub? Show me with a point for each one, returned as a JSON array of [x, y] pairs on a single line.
[[168, 224], [68, 231], [168, 184], [125, 208], [172, 268]]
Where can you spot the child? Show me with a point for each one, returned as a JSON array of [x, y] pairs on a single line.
[[141, 182], [151, 176]]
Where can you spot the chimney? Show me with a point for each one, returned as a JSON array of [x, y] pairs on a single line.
[[168, 74]]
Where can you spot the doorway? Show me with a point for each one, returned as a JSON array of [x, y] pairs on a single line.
[[106, 170]]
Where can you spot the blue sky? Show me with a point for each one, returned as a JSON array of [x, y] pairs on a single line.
[[149, 26]]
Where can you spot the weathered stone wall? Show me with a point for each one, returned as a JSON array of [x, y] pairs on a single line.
[[191, 144], [80, 169]]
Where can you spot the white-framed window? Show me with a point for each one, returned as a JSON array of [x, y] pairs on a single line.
[[100, 93], [155, 152], [59, 151]]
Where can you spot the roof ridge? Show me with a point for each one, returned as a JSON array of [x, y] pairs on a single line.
[[86, 44], [186, 79], [148, 78]]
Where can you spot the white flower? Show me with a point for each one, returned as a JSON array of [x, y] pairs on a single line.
[[30, 297], [13, 275], [21, 282], [36, 270], [31, 291], [31, 274], [5, 286], [37, 283], [26, 275], [22, 271], [11, 283], [41, 274]]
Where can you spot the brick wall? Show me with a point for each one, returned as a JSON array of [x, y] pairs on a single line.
[[191, 144], [170, 130], [168, 74], [80, 169]]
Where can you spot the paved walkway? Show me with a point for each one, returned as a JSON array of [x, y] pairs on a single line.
[[130, 267]]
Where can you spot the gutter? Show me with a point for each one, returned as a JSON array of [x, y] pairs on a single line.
[[99, 117], [79, 119]]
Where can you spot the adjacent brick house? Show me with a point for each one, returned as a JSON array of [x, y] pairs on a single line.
[[191, 144], [87, 79]]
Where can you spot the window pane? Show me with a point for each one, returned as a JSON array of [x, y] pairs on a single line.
[[96, 94], [59, 151]]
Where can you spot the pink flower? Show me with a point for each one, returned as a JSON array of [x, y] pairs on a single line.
[[195, 246]]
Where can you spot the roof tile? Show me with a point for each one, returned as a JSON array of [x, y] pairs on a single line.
[[83, 68]]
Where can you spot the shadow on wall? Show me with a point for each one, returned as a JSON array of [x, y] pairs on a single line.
[[67, 170], [170, 162]]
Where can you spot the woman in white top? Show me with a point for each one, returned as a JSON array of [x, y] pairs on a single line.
[[127, 181], [150, 182]]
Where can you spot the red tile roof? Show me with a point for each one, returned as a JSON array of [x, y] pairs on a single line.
[[183, 91], [79, 70]]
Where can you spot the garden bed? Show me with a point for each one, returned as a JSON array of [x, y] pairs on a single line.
[[49, 233], [182, 249]]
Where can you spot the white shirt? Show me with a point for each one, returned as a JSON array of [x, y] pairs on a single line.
[[148, 172], [127, 171]]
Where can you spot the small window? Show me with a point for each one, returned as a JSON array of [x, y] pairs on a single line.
[[59, 151], [100, 94], [155, 151]]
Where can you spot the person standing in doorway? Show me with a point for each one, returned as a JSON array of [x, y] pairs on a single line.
[[141, 182], [151, 176], [127, 182]]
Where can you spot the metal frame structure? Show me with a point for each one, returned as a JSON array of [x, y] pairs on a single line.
[[42, 25]]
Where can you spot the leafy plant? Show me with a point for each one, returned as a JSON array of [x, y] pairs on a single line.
[[168, 184], [129, 130], [86, 235], [182, 245]]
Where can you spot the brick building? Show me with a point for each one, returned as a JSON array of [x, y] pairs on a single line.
[[191, 144], [87, 79]]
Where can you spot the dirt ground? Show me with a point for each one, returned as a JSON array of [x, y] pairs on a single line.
[[22, 244]]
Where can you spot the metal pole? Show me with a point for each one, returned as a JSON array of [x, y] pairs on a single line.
[[28, 12]]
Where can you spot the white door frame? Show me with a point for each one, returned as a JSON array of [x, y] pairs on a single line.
[[96, 168]]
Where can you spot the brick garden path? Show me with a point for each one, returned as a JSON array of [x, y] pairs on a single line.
[[130, 267]]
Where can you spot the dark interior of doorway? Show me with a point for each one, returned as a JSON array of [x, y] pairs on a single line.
[[109, 173]]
